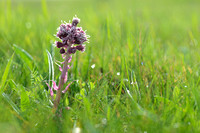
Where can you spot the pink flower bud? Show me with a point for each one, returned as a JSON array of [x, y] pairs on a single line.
[[75, 21]]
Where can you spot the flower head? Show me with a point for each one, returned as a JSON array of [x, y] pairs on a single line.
[[71, 35]]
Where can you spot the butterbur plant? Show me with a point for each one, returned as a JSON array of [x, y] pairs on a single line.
[[71, 40]]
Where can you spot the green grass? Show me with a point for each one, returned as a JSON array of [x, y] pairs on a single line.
[[153, 44]]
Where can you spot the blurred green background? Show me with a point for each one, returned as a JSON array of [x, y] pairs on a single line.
[[153, 45]]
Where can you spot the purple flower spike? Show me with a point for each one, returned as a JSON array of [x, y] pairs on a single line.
[[71, 40]]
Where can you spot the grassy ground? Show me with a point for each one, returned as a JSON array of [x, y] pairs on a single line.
[[146, 75]]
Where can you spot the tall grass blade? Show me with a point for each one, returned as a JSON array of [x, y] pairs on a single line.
[[135, 84], [12, 104], [5, 75], [51, 67], [44, 8], [8, 9], [24, 56]]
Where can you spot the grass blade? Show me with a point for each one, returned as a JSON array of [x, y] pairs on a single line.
[[51, 67], [5, 75], [15, 108], [44, 8], [24, 56]]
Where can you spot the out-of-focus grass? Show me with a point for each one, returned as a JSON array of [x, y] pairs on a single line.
[[153, 45]]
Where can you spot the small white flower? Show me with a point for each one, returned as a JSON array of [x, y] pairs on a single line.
[[36, 124], [185, 86], [118, 73], [145, 131], [76, 130], [126, 80], [93, 66]]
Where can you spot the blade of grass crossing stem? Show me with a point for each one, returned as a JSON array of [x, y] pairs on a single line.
[[51, 67], [24, 56], [5, 75]]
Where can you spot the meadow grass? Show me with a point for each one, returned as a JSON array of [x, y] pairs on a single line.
[[146, 74]]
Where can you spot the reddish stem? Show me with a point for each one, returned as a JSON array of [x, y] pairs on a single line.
[[61, 82]]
